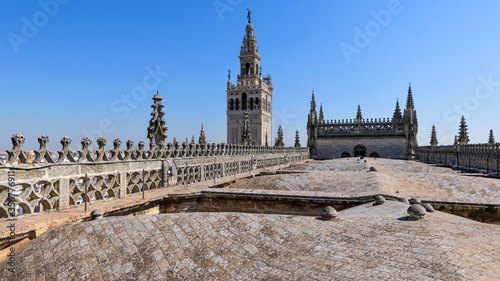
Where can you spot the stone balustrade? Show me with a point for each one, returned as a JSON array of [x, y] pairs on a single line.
[[51, 183], [473, 156]]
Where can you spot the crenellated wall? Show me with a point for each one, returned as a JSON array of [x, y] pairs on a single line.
[[55, 184]]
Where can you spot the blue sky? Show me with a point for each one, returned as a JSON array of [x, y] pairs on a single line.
[[75, 68]]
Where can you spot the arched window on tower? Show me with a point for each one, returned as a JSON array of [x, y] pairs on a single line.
[[247, 68], [251, 104], [244, 101], [256, 103], [231, 105], [237, 104]]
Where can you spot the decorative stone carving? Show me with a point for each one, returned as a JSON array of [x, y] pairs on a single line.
[[116, 153], [202, 140], [85, 153], [157, 131], [297, 139], [140, 151], [17, 151], [246, 134], [279, 141], [102, 152], [65, 153], [43, 152], [130, 153]]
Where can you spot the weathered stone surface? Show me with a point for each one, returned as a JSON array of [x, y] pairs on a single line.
[[415, 200], [329, 213], [234, 246]]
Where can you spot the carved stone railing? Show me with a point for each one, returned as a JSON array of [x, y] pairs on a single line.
[[366, 126], [472, 156], [50, 184]]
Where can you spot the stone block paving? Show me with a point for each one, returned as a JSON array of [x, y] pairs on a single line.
[[350, 177], [236, 246]]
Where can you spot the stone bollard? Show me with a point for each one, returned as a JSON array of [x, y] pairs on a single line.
[[415, 200], [379, 200], [416, 211], [97, 214], [428, 207], [373, 169], [329, 213]]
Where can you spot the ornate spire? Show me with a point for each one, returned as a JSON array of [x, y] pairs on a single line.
[[321, 119], [455, 142], [157, 131], [313, 102], [279, 141], [434, 140], [397, 112], [202, 140], [246, 135], [193, 140], [297, 139], [359, 116], [491, 139], [463, 135], [409, 98], [312, 117]]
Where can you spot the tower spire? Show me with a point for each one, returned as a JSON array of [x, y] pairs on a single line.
[[203, 139], [491, 139], [279, 141], [321, 119], [409, 99], [297, 139], [434, 140], [463, 135], [397, 116], [359, 116]]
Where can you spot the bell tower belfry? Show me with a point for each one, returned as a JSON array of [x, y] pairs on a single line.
[[251, 92]]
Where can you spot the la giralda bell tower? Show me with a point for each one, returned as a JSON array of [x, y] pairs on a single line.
[[251, 93]]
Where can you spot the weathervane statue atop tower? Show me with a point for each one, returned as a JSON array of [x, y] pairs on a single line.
[[248, 16]]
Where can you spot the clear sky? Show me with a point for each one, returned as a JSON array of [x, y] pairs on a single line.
[[79, 68]]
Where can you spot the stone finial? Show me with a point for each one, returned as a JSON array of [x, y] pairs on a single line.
[[102, 152], [321, 118], [202, 140], [297, 139], [65, 153], [246, 135], [491, 139], [463, 135], [85, 153], [329, 213], [416, 211], [140, 151], [157, 131], [17, 151], [116, 153], [130, 153], [434, 141], [43, 152], [379, 200], [397, 116], [97, 214], [359, 116], [279, 141], [428, 207]]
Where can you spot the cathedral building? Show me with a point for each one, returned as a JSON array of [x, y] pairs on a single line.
[[250, 96], [394, 137]]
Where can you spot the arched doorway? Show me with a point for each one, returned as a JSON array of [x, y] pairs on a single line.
[[374, 154], [345, 154], [359, 150]]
